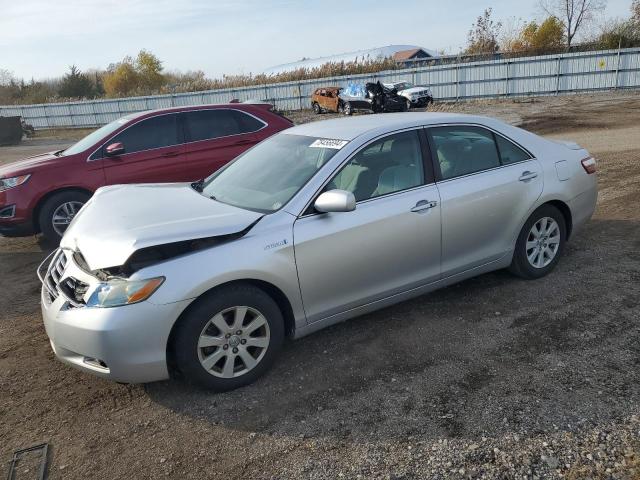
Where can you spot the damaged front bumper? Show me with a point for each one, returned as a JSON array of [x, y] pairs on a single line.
[[126, 344]]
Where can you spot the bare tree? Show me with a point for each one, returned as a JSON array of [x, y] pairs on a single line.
[[573, 14], [483, 36]]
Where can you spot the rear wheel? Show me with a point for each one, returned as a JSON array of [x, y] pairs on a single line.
[[316, 108], [230, 338], [540, 243], [346, 109], [58, 211], [408, 105]]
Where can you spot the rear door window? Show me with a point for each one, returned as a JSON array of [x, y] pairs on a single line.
[[211, 124], [149, 134], [462, 150]]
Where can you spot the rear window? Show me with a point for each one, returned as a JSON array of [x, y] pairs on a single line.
[[211, 124]]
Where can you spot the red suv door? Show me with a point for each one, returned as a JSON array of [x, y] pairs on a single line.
[[154, 151], [216, 136]]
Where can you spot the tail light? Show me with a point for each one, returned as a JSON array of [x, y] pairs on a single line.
[[589, 165]]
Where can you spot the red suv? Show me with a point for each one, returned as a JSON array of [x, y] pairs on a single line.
[[43, 193]]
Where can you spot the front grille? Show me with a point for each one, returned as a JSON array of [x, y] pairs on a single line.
[[74, 290], [54, 273], [71, 288]]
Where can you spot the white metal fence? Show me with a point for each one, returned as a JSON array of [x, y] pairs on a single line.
[[527, 76]]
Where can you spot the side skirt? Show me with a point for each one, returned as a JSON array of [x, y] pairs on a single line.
[[503, 262]]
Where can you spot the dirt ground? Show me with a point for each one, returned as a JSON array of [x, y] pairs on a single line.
[[493, 378]]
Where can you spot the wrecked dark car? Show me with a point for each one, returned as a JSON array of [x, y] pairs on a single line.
[[374, 97]]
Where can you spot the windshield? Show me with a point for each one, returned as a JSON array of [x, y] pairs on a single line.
[[95, 137], [269, 175]]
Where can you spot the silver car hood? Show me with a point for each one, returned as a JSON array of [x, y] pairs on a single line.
[[120, 219]]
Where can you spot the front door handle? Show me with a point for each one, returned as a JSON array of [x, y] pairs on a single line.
[[171, 154], [423, 205], [527, 175]]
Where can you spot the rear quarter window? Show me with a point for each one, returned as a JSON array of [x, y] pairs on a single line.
[[510, 152]]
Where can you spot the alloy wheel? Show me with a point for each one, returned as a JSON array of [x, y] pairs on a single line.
[[63, 215], [543, 242], [233, 342]]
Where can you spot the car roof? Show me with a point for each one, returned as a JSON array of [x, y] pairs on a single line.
[[184, 108], [350, 128]]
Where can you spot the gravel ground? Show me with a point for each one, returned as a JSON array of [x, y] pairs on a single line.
[[493, 378]]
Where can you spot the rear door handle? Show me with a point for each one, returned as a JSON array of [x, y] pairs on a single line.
[[423, 205], [171, 154], [527, 176]]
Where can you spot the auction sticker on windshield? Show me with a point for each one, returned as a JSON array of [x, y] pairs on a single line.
[[328, 143]]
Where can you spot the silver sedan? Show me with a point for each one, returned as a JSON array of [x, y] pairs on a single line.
[[315, 225]]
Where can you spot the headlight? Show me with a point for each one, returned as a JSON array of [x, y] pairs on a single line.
[[7, 183], [116, 293]]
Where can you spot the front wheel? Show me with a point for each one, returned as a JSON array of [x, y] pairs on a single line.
[[316, 108], [540, 243], [229, 338], [346, 109], [407, 105], [58, 211]]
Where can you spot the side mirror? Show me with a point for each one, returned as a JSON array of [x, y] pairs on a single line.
[[114, 149], [335, 201]]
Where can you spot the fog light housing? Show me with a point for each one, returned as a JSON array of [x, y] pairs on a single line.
[[8, 212], [95, 362]]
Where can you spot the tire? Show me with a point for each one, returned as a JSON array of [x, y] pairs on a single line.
[[407, 106], [316, 109], [55, 206], [346, 109], [532, 256], [205, 366]]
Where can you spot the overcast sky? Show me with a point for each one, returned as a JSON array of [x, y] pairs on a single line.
[[41, 38]]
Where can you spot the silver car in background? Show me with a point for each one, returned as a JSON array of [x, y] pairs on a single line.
[[315, 225], [415, 95]]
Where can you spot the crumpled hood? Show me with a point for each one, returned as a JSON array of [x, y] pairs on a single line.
[[120, 219], [25, 165]]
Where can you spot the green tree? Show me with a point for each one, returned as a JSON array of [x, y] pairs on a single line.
[[75, 84], [149, 68], [121, 79], [483, 36], [623, 33]]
